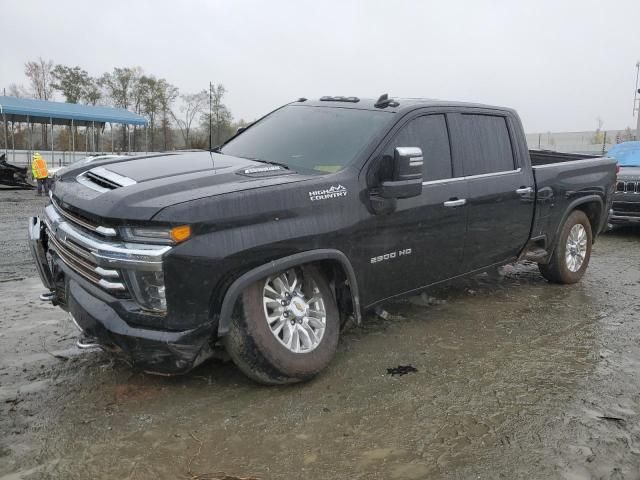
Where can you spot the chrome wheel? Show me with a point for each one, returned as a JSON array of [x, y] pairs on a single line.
[[576, 247], [295, 310]]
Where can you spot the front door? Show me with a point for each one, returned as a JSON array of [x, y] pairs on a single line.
[[421, 241]]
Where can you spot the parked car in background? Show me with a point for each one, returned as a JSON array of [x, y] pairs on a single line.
[[626, 199], [12, 175]]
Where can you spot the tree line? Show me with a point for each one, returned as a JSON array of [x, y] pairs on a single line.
[[175, 119]]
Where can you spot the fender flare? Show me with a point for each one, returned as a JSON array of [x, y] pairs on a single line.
[[572, 206], [246, 279]]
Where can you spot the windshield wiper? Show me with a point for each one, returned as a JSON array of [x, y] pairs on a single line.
[[279, 164]]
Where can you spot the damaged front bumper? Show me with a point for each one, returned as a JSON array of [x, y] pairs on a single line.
[[118, 324], [154, 351]]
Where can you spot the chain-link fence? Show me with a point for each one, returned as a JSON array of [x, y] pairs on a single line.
[[579, 142]]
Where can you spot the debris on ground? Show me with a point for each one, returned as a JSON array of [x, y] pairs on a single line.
[[426, 300], [382, 313], [611, 419], [401, 370]]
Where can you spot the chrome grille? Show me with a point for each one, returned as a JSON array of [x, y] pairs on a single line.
[[624, 186], [82, 222], [105, 262], [77, 257]]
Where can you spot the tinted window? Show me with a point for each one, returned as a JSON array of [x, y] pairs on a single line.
[[322, 139], [430, 134], [485, 144]]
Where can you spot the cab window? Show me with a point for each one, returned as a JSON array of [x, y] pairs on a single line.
[[430, 133]]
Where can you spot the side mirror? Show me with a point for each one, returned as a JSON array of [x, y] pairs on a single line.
[[240, 130], [407, 174]]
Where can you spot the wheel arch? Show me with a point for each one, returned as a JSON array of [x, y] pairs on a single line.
[[593, 208], [327, 257]]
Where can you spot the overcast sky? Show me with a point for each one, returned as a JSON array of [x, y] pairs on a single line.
[[560, 63]]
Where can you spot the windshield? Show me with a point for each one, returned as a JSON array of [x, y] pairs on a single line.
[[627, 154], [308, 139]]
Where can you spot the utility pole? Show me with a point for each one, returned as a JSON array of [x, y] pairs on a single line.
[[636, 102], [210, 118]]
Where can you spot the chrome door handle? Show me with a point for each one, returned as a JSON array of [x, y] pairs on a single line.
[[524, 190], [455, 203]]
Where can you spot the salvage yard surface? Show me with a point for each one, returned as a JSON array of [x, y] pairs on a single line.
[[512, 378]]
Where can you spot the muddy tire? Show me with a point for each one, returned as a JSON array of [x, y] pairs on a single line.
[[570, 258], [285, 328]]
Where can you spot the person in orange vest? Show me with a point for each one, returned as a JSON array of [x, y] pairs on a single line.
[[40, 173]]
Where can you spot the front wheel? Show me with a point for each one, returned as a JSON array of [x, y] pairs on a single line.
[[571, 256], [286, 327]]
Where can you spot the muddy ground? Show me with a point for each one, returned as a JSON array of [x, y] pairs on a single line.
[[516, 378]]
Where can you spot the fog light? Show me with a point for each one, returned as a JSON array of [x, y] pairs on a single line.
[[148, 289]]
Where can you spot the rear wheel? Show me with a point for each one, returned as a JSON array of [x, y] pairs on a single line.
[[286, 327], [570, 258]]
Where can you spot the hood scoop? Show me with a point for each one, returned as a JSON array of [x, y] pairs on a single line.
[[102, 180], [264, 171]]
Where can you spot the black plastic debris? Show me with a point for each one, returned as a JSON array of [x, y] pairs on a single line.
[[401, 370]]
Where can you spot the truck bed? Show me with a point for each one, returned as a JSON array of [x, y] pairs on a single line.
[[546, 157], [561, 179]]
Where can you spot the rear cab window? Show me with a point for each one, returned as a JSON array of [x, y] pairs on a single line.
[[485, 144]]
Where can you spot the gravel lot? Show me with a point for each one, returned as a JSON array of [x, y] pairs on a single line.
[[516, 378]]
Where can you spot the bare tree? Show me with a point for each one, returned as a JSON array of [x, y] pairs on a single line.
[[167, 94], [148, 91], [120, 85], [18, 91], [220, 115], [39, 73], [192, 105]]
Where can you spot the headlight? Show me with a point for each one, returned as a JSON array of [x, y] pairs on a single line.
[[148, 289], [158, 235]]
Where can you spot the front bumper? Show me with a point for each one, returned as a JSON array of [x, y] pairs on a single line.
[[625, 208], [112, 321], [154, 351], [617, 219]]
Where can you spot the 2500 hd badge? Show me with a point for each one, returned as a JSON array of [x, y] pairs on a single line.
[[391, 255]]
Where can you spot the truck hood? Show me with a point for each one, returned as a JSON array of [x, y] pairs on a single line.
[[136, 189]]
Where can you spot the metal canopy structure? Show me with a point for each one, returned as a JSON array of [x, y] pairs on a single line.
[[30, 111], [41, 111]]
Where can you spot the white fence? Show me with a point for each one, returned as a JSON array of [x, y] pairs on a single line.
[[57, 158]]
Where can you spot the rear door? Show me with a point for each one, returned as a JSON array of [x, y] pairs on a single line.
[[499, 186], [421, 241]]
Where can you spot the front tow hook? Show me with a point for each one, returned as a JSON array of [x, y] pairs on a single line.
[[48, 297], [85, 342]]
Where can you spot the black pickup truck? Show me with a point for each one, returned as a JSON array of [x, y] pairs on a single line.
[[315, 213]]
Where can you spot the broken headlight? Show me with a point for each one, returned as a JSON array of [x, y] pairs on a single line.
[[148, 289]]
